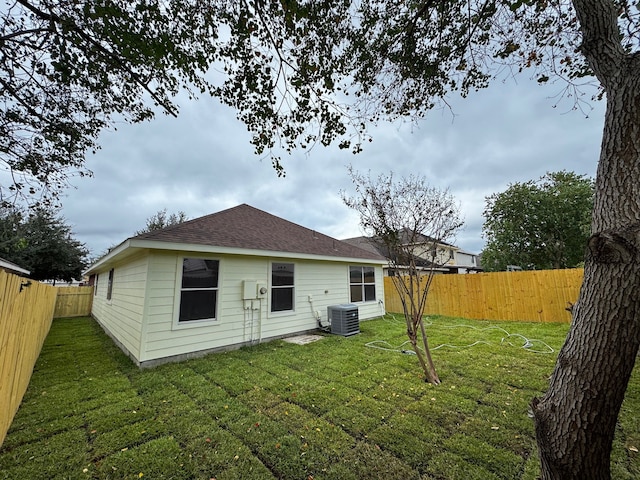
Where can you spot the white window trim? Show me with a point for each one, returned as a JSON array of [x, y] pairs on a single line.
[[177, 324], [282, 313], [375, 283]]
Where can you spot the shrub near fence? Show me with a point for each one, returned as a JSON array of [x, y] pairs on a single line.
[[539, 295], [26, 312]]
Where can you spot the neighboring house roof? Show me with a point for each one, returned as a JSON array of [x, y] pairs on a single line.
[[370, 244], [420, 238], [247, 228], [12, 267], [404, 236]]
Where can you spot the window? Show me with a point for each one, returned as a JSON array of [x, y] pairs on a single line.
[[281, 287], [199, 289], [110, 284], [95, 284], [362, 283]]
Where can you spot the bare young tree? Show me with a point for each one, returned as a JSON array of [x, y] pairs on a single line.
[[410, 221]]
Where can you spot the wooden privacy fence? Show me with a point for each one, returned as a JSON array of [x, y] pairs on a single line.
[[540, 295], [73, 302], [26, 311]]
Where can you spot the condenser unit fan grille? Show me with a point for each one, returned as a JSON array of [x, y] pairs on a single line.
[[344, 319]]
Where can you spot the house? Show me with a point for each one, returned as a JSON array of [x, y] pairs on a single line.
[[467, 262], [232, 278], [11, 267], [448, 258]]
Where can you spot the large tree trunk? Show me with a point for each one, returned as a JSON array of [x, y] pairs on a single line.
[[575, 420]]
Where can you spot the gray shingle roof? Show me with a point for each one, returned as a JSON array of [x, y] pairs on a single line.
[[247, 227], [365, 243]]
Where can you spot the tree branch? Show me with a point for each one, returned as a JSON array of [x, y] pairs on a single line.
[[43, 15], [23, 33], [22, 102], [600, 38], [113, 56]]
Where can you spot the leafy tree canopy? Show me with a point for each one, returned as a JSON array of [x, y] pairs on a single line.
[[298, 73], [541, 224], [42, 243], [161, 220], [70, 69]]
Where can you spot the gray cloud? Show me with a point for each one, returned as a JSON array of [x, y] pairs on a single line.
[[202, 162]]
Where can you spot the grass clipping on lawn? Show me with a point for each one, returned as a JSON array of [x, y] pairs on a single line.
[[332, 409]]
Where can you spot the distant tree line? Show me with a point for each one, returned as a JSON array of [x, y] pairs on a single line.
[[543, 224], [42, 243], [161, 220]]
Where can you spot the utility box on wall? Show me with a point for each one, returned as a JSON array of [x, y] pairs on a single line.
[[249, 289], [344, 319]]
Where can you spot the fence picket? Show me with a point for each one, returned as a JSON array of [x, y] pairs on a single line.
[[73, 302], [539, 296], [25, 319]]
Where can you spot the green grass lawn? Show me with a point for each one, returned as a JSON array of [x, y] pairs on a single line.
[[333, 409]]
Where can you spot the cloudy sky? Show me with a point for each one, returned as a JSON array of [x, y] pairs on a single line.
[[202, 163]]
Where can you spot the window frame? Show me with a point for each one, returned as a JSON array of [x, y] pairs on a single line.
[[282, 287], [177, 322], [363, 284], [110, 281]]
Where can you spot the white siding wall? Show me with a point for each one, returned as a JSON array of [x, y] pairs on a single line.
[[122, 316], [241, 321], [444, 254], [466, 259], [164, 338]]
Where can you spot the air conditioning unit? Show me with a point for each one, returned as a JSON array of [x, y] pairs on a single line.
[[344, 319]]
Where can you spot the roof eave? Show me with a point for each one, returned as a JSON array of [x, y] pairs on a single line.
[[105, 259], [137, 244], [13, 267]]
